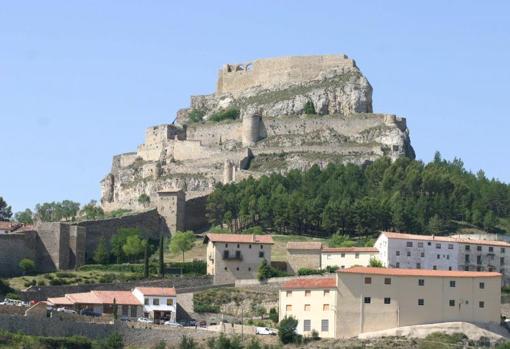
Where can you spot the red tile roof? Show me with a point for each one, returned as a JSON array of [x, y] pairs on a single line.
[[121, 297], [157, 291], [9, 226], [83, 298], [312, 283], [351, 249], [417, 272], [304, 245], [60, 301], [239, 238], [403, 236]]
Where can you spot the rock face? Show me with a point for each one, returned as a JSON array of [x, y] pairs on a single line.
[[281, 114]]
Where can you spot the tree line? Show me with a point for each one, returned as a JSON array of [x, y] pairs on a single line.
[[404, 195]]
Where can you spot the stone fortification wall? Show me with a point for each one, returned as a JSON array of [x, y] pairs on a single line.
[[195, 213], [274, 72], [54, 237], [13, 248], [215, 134], [149, 222], [192, 150]]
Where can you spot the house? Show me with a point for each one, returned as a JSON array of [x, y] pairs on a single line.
[[365, 299], [232, 257], [399, 250], [155, 303], [315, 255]]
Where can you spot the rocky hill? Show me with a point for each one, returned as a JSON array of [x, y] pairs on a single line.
[[267, 115]]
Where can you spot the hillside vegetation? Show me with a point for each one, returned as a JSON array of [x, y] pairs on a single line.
[[406, 195]]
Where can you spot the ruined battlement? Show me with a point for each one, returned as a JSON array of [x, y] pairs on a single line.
[[269, 73]]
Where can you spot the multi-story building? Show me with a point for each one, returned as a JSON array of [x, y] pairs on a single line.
[[232, 257], [398, 250], [363, 299], [159, 303], [314, 255]]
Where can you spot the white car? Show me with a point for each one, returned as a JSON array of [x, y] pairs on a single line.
[[172, 324], [65, 310], [144, 320], [265, 331]]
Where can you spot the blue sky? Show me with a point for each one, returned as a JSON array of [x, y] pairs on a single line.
[[81, 80]]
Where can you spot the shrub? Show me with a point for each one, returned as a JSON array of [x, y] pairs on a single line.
[[4, 287], [57, 282], [144, 199], [315, 335], [41, 283], [228, 114], [187, 343], [331, 268], [27, 265], [308, 271], [12, 295], [65, 275], [375, 262], [273, 315], [287, 330], [309, 108], [196, 115], [74, 342]]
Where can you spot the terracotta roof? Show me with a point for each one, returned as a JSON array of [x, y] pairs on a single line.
[[351, 249], [60, 301], [9, 226], [417, 272], [121, 297], [157, 291], [239, 238], [83, 298], [392, 235], [310, 283], [304, 245]]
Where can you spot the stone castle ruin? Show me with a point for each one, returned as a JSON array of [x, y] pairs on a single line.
[[179, 164]]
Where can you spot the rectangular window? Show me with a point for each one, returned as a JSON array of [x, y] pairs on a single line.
[[450, 246], [367, 300], [146, 301], [326, 292], [478, 259], [421, 301], [289, 293], [466, 268], [438, 246], [308, 293], [451, 302], [288, 307], [421, 282], [409, 244], [481, 304], [325, 307], [502, 250], [324, 325], [478, 248], [448, 257], [450, 268], [420, 244], [482, 285], [261, 247], [387, 300], [307, 307], [397, 265], [125, 310], [356, 255], [368, 281], [225, 254], [342, 255], [134, 311], [261, 254], [452, 283], [466, 258], [422, 254], [155, 301], [238, 254], [491, 249], [226, 245], [434, 267], [467, 247], [438, 256], [397, 253], [418, 265], [387, 281], [169, 301], [307, 325], [501, 260], [408, 253]]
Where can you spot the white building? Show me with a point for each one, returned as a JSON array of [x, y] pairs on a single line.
[[412, 251], [346, 257], [159, 303]]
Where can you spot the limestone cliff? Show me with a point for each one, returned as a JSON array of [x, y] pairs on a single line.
[[272, 132]]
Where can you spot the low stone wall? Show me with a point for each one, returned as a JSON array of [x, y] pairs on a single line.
[[279, 280], [40, 293], [12, 309]]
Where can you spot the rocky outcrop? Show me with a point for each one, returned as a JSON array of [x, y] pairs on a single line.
[[276, 130]]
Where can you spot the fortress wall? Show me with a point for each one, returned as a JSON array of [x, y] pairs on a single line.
[[195, 213], [267, 73], [211, 134], [191, 150], [13, 248], [151, 152], [54, 245], [127, 159]]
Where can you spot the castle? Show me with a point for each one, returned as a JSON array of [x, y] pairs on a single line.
[[273, 133]]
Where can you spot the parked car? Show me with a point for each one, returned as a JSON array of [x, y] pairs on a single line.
[[144, 320], [89, 312], [172, 324], [65, 310], [265, 331], [202, 324]]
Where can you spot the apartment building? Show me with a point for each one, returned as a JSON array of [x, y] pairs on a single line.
[[372, 299], [444, 253], [232, 257], [315, 255]]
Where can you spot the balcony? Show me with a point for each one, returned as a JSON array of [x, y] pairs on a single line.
[[229, 257]]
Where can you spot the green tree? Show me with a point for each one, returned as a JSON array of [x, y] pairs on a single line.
[[101, 254], [309, 108], [119, 240], [144, 199], [162, 256], [182, 242], [187, 343], [25, 217], [375, 262], [273, 315], [134, 247], [196, 115], [27, 265], [5, 210], [114, 341], [436, 225], [92, 210], [264, 271], [338, 240], [489, 221], [287, 330], [145, 259], [115, 309]]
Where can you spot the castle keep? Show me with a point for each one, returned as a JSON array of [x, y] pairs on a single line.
[[272, 133]]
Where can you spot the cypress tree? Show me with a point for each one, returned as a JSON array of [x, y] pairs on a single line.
[[161, 256], [146, 260]]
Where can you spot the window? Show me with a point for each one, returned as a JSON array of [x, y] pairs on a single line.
[[450, 246], [421, 301], [420, 244], [466, 268], [409, 244], [502, 250], [307, 325], [368, 300], [466, 258], [326, 292], [481, 304], [452, 283], [288, 307], [308, 293], [418, 265], [482, 285], [478, 248], [478, 259], [225, 254], [289, 294], [421, 282], [307, 307], [249, 268], [146, 301], [325, 307], [448, 256], [408, 253], [155, 301], [387, 300], [342, 255], [438, 246], [451, 302], [397, 253], [501, 260], [368, 281], [237, 268], [491, 249], [438, 256], [249, 246], [238, 254], [397, 265], [467, 247], [324, 325], [387, 281], [450, 268], [261, 247], [422, 254], [429, 243], [434, 267], [169, 301], [226, 245], [125, 310], [225, 268], [261, 254], [134, 312], [356, 255], [478, 268]]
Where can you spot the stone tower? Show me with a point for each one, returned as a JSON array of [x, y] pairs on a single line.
[[171, 206], [250, 129]]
